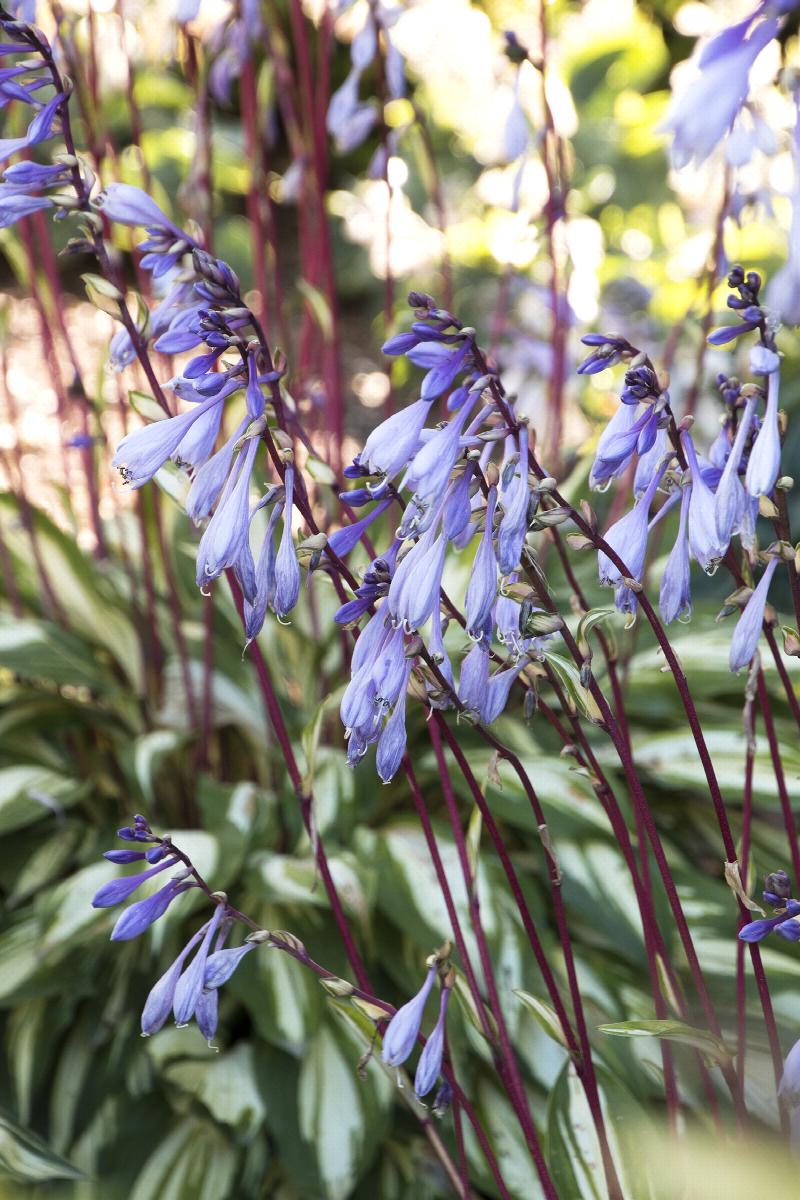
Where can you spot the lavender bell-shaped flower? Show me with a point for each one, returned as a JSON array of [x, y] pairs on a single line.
[[288, 575], [514, 524], [615, 446], [403, 1029], [190, 984], [221, 544], [729, 497], [429, 1066], [748, 627], [392, 742], [473, 678], [482, 587], [389, 447], [255, 612], [704, 541], [141, 453], [158, 1004], [628, 537], [701, 117], [117, 890], [675, 597], [765, 457]]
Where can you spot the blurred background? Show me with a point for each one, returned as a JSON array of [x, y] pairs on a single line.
[[123, 690]]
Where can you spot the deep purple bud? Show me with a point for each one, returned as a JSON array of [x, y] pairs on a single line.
[[123, 856], [117, 890], [143, 913]]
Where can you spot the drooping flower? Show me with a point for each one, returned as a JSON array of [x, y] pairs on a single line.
[[748, 627], [764, 462], [704, 542], [430, 1061], [675, 597], [482, 586], [403, 1029], [628, 537], [288, 576], [705, 112], [729, 497]]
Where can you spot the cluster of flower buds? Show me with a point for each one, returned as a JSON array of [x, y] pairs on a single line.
[[203, 304], [189, 987], [456, 493], [24, 183], [718, 495], [777, 894], [404, 1029]]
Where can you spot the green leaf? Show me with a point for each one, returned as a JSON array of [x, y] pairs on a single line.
[[147, 408], [28, 793], [673, 1031], [572, 1145], [544, 1014], [27, 1159], [331, 1118], [579, 697], [226, 1085], [195, 1159]]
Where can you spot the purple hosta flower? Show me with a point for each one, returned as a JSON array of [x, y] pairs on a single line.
[[615, 446], [429, 472], [648, 462], [392, 741], [445, 363], [730, 495], [403, 1029], [209, 479], [748, 627], [158, 1004], [349, 120], [430, 1061], [473, 678], [39, 130], [190, 985], [288, 576], [392, 443], [143, 913], [675, 597], [704, 542], [344, 540], [498, 690], [789, 1087], [141, 453], [255, 612], [514, 523], [628, 537], [764, 462], [608, 350], [416, 582], [117, 890], [641, 384], [482, 586], [224, 537], [128, 205], [457, 507], [221, 965], [701, 117], [756, 931], [14, 205]]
